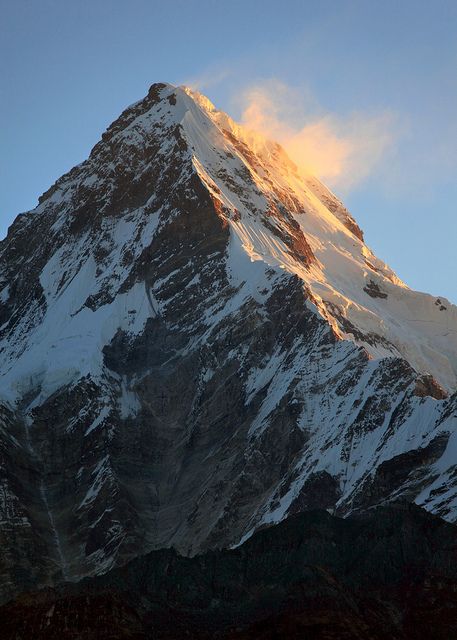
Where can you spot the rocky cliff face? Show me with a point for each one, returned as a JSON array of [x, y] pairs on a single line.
[[195, 342]]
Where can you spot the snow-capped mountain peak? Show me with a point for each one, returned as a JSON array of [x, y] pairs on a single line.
[[195, 341]]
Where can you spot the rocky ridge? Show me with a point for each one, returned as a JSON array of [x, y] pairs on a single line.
[[389, 575]]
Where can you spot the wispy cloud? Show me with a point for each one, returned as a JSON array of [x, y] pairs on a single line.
[[343, 150], [208, 78]]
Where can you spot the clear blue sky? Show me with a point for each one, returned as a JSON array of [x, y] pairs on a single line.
[[68, 68]]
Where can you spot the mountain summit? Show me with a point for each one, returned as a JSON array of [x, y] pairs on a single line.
[[196, 342]]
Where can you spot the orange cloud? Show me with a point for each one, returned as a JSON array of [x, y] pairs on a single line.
[[342, 151]]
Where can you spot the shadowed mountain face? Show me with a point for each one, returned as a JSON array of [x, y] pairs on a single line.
[[196, 342], [389, 575]]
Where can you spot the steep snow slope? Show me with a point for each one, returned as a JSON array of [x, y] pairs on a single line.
[[356, 291], [195, 340]]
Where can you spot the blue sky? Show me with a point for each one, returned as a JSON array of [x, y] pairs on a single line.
[[69, 68]]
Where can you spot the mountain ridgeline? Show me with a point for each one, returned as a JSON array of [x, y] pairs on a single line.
[[389, 575], [196, 342]]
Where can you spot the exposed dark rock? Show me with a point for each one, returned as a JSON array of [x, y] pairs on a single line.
[[374, 290], [320, 491], [426, 385], [410, 468]]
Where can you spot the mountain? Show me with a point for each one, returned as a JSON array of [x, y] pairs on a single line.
[[390, 575], [196, 342]]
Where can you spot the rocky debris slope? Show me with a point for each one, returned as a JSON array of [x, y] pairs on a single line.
[[389, 575], [196, 342]]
